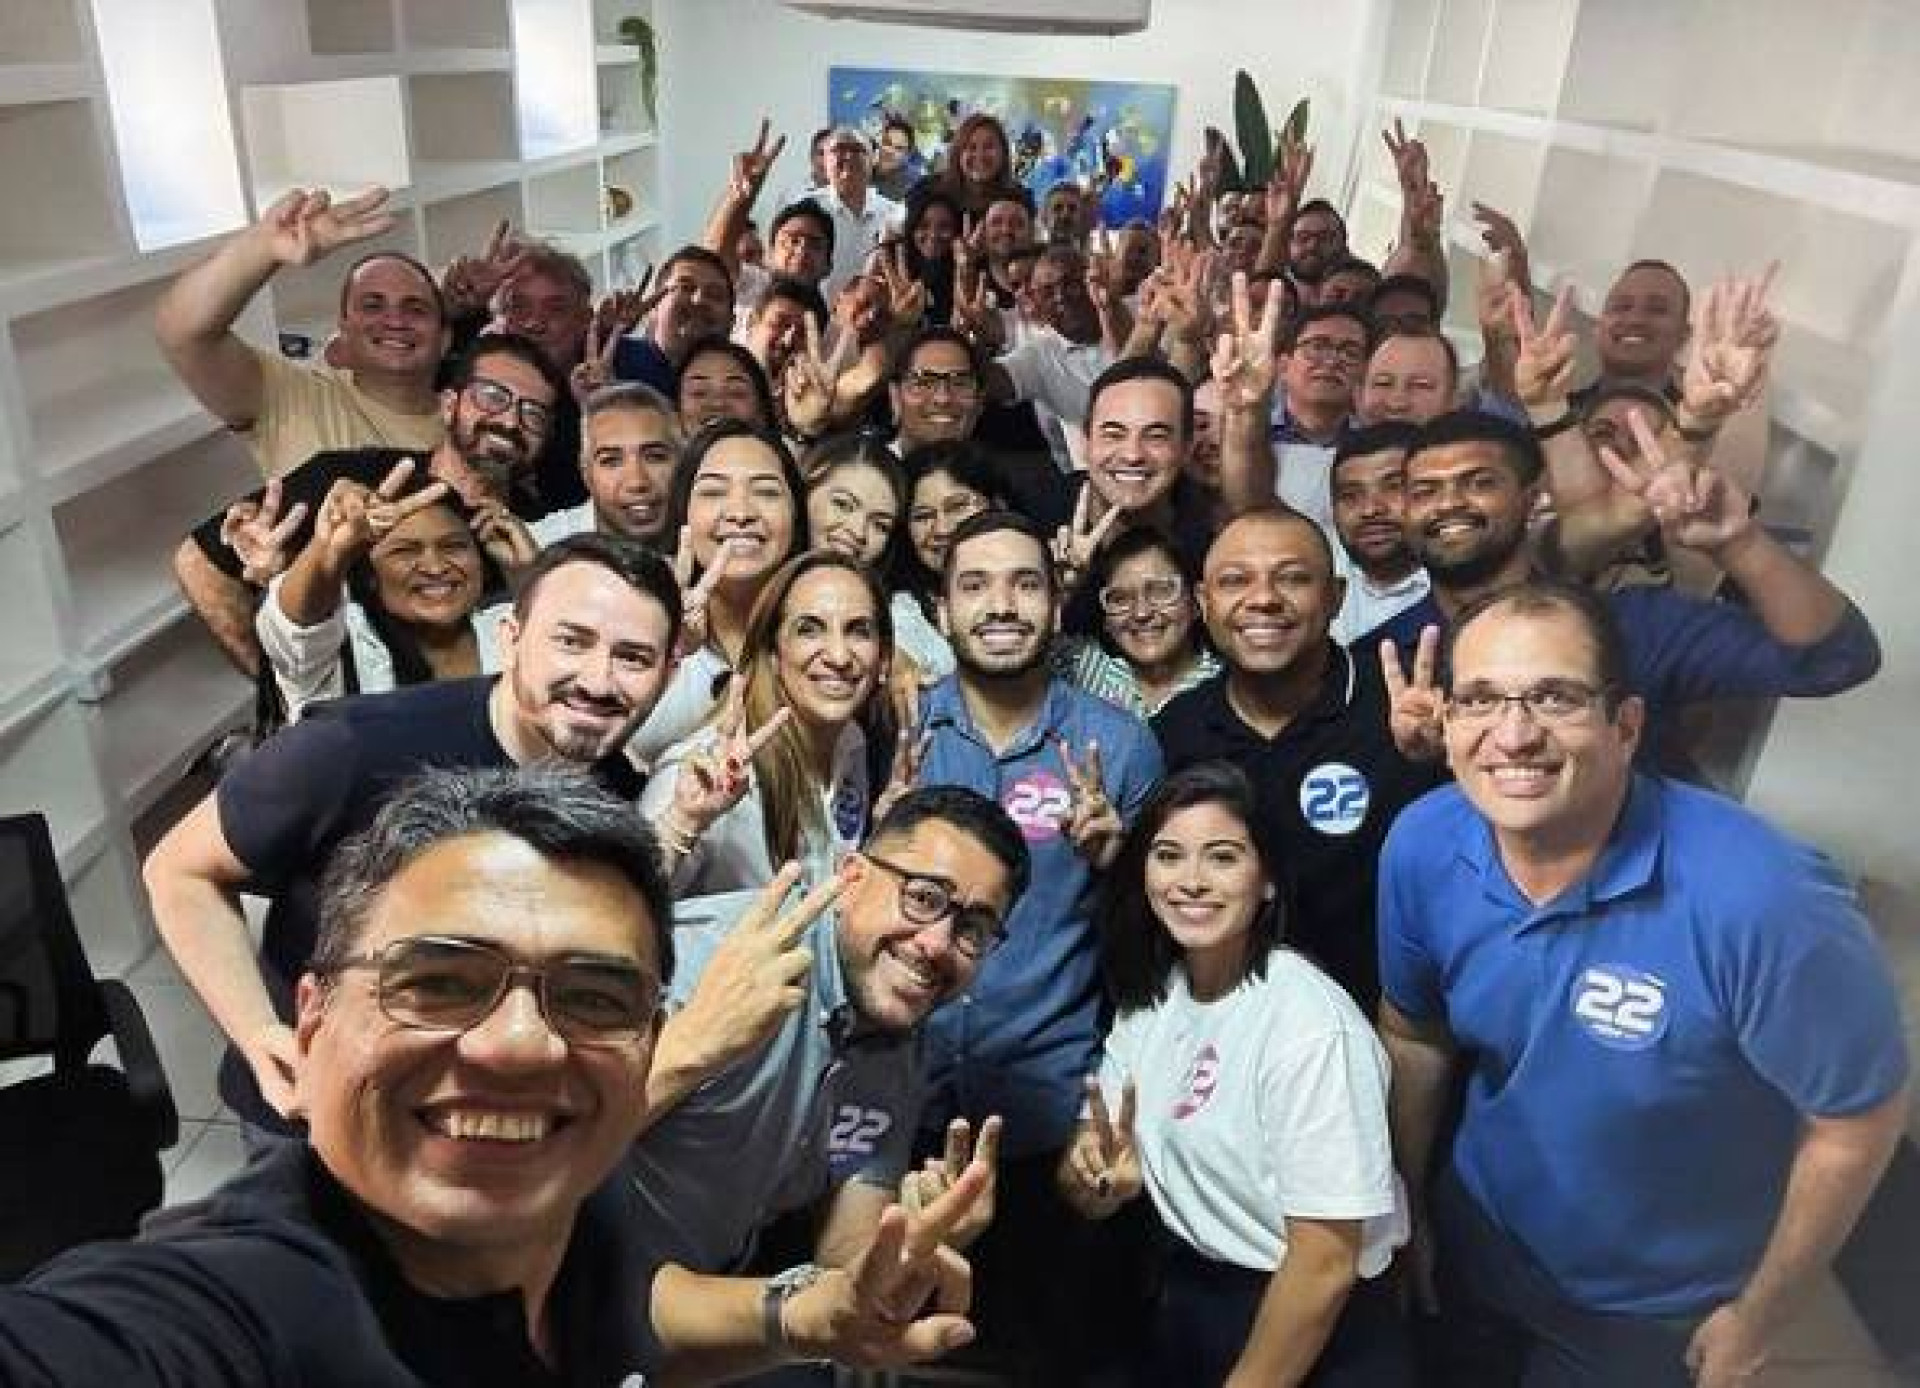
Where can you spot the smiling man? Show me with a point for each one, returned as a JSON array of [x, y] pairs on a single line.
[[470, 1070], [630, 438], [1369, 486], [1686, 1061], [583, 660]]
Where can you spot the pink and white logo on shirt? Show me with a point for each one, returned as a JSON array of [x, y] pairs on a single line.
[[1039, 803], [1202, 1078]]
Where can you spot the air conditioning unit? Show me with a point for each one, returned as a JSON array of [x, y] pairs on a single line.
[[1003, 16]]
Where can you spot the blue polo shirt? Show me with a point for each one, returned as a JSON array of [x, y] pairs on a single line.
[[1022, 1040], [1644, 1047]]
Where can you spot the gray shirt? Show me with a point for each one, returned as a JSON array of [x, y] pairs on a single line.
[[824, 1102]]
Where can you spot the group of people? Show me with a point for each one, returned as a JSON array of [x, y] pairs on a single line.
[[944, 778]]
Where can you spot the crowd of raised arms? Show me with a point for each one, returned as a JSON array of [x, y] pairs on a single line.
[[936, 778]]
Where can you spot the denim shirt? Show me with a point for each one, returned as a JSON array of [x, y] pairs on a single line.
[[1022, 1040]]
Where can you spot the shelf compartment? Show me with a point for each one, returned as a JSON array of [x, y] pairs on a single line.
[[31, 658], [1459, 49], [1586, 211], [462, 118], [622, 107], [46, 765], [1410, 37], [24, 84], [555, 89], [99, 396], [1527, 54], [350, 26], [1744, 50], [345, 136], [118, 541], [461, 226], [1643, 37], [567, 203], [177, 159], [1502, 172], [40, 31], [161, 707], [72, 218], [455, 23]]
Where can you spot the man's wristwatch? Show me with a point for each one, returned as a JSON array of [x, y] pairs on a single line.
[[781, 1287]]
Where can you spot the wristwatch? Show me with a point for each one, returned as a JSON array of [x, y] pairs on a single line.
[[780, 1289]]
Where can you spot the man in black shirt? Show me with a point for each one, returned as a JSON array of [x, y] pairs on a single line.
[[471, 1071], [583, 660], [1308, 724]]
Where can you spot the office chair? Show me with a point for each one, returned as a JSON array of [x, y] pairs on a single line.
[[80, 1144]]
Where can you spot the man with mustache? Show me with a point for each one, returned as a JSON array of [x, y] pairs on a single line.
[[1069, 769], [1368, 484], [584, 657]]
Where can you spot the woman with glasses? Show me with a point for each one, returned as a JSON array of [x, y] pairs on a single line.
[[387, 592], [737, 506], [779, 774], [1150, 646], [947, 483], [1243, 1091]]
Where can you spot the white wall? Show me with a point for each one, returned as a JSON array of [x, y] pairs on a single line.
[[726, 62]]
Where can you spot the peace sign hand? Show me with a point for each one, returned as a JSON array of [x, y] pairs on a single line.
[[715, 777], [1414, 707], [1101, 1170], [906, 296], [353, 519], [1245, 360], [1732, 347], [1288, 185], [1410, 165], [938, 1175], [812, 378], [303, 226], [750, 167], [1697, 508], [975, 316], [259, 535], [1543, 371], [694, 597], [1076, 542], [1093, 824], [504, 536], [470, 282]]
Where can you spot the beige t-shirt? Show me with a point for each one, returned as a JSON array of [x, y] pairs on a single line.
[[306, 410]]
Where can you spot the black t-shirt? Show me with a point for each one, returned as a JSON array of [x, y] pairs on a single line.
[[288, 805], [278, 1277], [1329, 787]]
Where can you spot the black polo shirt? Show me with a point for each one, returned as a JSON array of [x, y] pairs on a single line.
[[1329, 787], [279, 1277]]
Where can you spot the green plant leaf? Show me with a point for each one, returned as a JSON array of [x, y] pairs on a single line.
[[1231, 180], [1296, 127], [1256, 135]]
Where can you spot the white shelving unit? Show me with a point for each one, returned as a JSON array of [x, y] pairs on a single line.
[[134, 134]]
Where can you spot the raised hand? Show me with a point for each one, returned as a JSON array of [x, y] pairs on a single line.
[[751, 166], [910, 748], [922, 1189], [353, 519], [1543, 370], [1414, 705], [303, 226], [1076, 542], [1101, 1171], [1695, 506], [470, 282], [1410, 164], [756, 976], [595, 368], [1093, 824], [1502, 239], [906, 297], [1288, 187], [810, 384], [714, 778], [975, 315], [1245, 360], [1733, 343], [694, 597], [259, 535], [504, 536]]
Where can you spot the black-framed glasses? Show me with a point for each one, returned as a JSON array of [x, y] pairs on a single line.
[[449, 984], [1550, 703], [961, 384], [1155, 594], [1329, 350], [493, 398], [927, 900]]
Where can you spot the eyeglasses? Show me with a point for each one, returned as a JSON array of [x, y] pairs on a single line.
[[493, 398], [962, 384], [1153, 595], [1550, 703], [1330, 349], [448, 984], [976, 931]]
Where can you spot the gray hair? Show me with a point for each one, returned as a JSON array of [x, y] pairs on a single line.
[[560, 812], [637, 396]]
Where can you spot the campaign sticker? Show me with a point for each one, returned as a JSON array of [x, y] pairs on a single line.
[[1039, 802], [1334, 798], [1203, 1078], [1621, 1007]]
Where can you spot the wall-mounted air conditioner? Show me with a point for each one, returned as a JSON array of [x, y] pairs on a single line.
[[1008, 16]]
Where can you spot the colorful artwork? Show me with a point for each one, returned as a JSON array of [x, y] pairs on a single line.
[[1111, 137]]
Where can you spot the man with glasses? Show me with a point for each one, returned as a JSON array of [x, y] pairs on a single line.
[[1322, 359], [584, 657], [797, 1086], [936, 392], [1685, 1057], [470, 1073]]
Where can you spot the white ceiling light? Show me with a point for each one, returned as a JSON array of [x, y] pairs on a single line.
[[1005, 16]]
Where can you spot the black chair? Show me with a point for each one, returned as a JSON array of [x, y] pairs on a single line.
[[80, 1145]]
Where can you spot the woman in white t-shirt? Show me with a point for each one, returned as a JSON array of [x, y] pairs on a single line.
[[1243, 1090]]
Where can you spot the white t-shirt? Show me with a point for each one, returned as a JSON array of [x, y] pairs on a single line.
[[1268, 1102], [556, 526], [1057, 376]]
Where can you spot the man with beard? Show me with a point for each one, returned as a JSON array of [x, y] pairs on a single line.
[[1316, 242], [1307, 722], [1471, 483], [497, 409], [630, 441], [583, 660], [1369, 513], [1070, 770], [799, 1083], [697, 302]]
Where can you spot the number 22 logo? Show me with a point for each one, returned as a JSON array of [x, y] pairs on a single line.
[[1621, 1007]]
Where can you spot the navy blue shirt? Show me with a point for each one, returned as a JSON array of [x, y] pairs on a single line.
[[1645, 1046], [1022, 1040]]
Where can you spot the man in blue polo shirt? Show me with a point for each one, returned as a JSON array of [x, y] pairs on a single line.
[[1070, 769], [1686, 1066]]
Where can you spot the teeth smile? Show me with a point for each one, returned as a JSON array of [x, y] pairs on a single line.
[[478, 1125]]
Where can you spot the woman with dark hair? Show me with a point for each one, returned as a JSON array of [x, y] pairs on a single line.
[[947, 483], [856, 498], [1243, 1090], [779, 775], [934, 221], [720, 379], [387, 592], [979, 165], [736, 512], [1150, 645]]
